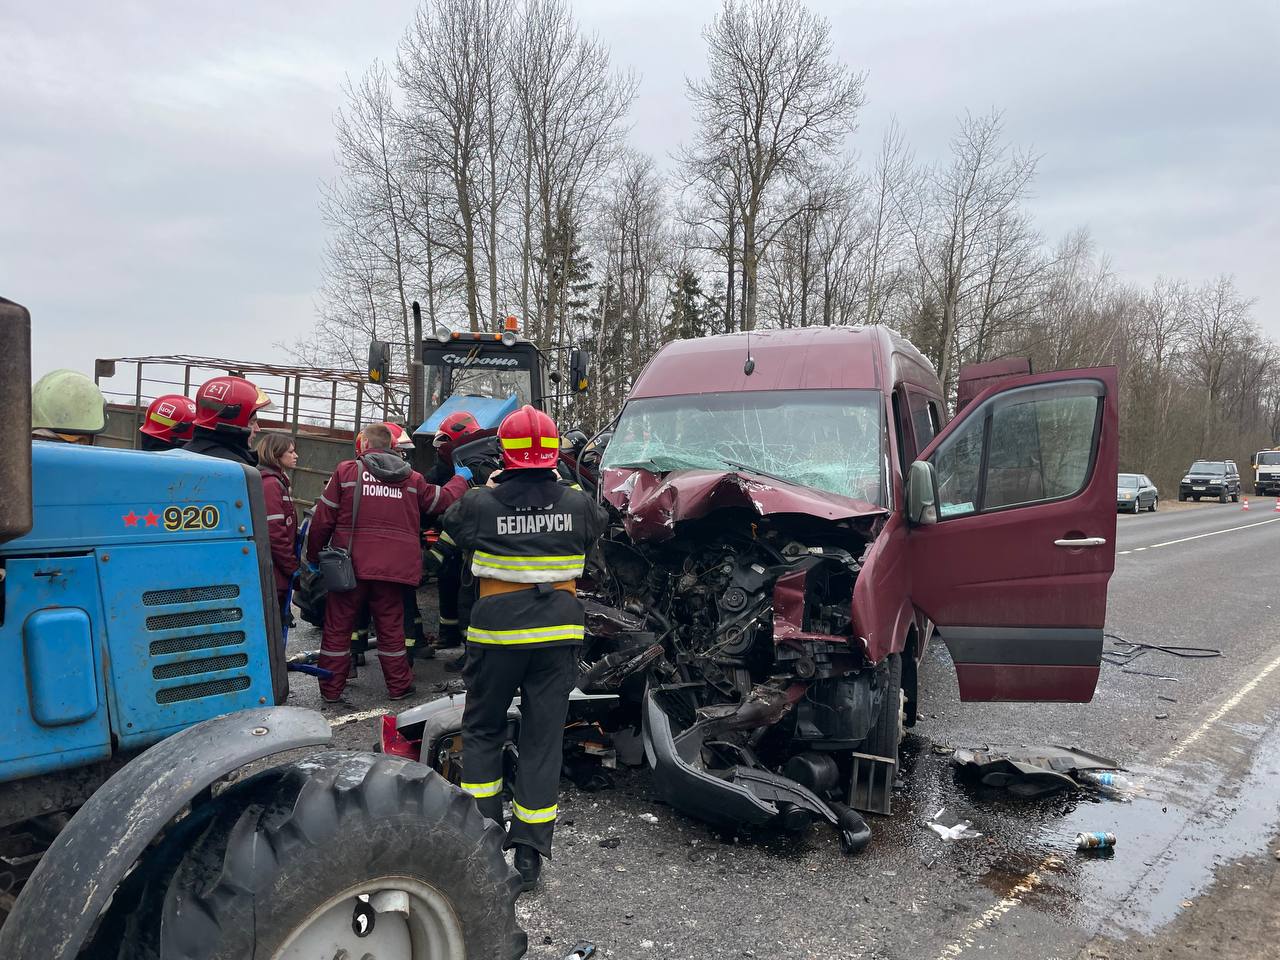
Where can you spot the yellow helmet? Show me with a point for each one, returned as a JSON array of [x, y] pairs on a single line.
[[66, 401]]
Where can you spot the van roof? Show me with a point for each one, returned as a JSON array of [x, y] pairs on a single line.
[[806, 358]]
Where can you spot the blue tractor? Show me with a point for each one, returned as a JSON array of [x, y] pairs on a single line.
[[140, 812]]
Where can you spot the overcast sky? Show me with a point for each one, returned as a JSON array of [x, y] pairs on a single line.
[[160, 161]]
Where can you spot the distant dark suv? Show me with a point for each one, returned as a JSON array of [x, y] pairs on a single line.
[[1211, 478]]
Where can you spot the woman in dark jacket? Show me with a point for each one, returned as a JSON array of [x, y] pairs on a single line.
[[276, 454]]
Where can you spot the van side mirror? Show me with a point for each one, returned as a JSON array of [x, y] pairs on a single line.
[[379, 361], [579, 362], [922, 493]]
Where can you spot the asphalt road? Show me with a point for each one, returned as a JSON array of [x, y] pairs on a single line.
[[1192, 869]]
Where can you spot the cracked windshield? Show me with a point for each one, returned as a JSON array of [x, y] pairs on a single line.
[[830, 440]]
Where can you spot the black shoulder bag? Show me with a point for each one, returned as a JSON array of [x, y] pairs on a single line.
[[336, 568]]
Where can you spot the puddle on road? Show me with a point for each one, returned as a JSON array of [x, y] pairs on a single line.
[[1166, 852]]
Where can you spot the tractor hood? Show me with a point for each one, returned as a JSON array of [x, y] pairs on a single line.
[[488, 411], [652, 504]]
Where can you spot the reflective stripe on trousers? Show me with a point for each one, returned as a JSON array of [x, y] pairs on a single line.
[[482, 790], [542, 815]]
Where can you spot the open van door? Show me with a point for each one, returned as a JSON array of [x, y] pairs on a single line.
[[1012, 537]]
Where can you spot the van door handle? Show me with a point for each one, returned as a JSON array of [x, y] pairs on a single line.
[[1082, 542]]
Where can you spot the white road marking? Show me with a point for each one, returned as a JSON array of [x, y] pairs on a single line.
[[1031, 880], [353, 717], [997, 910], [1199, 536], [1221, 712]]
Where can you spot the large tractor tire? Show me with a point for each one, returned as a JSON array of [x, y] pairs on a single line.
[[356, 852]]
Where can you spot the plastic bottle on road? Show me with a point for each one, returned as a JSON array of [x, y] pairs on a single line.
[[1114, 785]]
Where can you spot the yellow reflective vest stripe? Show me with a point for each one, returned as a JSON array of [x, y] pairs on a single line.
[[528, 635]]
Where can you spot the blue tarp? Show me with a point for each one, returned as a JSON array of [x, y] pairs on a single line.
[[488, 411]]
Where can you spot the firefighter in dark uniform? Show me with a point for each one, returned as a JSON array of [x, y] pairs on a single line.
[[453, 431], [526, 537]]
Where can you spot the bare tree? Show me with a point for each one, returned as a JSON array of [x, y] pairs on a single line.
[[774, 100], [445, 70], [951, 214], [571, 104], [1217, 321]]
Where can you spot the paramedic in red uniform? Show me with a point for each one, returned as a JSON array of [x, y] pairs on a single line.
[[385, 551], [526, 538]]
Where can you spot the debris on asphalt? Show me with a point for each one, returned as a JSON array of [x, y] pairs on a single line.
[[611, 843], [1030, 771], [1162, 716], [454, 685], [948, 827], [1095, 841], [581, 952], [1125, 651], [1154, 676], [1109, 784], [1161, 696], [648, 818]]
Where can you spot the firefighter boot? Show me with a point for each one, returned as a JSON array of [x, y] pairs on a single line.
[[529, 865]]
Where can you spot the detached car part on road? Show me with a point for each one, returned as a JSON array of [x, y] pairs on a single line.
[[791, 532]]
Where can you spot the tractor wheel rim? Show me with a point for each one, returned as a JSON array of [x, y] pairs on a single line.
[[369, 919]]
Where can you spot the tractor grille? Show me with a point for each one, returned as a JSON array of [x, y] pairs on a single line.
[[209, 688], [205, 641], [203, 632], [187, 668], [193, 618], [225, 591]]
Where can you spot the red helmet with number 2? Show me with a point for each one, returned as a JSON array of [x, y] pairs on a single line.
[[228, 402], [530, 440], [170, 417]]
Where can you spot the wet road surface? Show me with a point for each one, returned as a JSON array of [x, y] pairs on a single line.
[[1193, 862]]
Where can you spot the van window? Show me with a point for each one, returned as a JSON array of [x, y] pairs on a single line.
[[1030, 445], [958, 464], [924, 419], [1039, 450]]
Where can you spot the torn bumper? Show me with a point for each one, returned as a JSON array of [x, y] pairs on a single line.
[[735, 796]]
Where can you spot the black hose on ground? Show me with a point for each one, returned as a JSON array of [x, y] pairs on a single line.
[[854, 831]]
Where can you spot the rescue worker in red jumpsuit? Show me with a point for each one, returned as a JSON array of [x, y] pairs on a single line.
[[453, 431], [227, 418], [373, 506], [276, 456], [527, 538], [169, 422]]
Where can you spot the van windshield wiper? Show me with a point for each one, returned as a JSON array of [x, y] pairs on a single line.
[[763, 473]]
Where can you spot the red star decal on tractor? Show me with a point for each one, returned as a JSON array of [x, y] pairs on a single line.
[[130, 519], [152, 518]]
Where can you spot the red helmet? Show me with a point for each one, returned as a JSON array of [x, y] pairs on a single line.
[[229, 402], [400, 439], [401, 442], [170, 417], [530, 440], [455, 428]]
